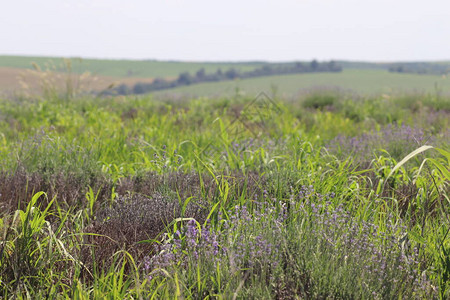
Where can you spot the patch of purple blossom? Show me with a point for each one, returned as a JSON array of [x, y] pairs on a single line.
[[383, 261], [241, 241], [380, 262], [398, 141]]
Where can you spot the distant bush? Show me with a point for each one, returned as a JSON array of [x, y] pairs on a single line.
[[123, 89], [200, 76], [320, 100]]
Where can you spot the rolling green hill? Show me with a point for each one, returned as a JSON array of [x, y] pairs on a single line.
[[360, 77], [126, 68], [367, 82]]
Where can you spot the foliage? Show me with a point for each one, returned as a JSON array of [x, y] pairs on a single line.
[[225, 198]]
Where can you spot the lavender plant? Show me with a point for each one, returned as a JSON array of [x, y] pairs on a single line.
[[347, 258], [337, 255], [398, 141], [282, 241], [241, 248]]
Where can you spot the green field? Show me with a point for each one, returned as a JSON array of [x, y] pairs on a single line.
[[336, 186], [124, 68], [366, 82], [331, 197], [358, 77]]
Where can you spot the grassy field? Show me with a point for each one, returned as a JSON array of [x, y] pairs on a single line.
[[360, 81], [17, 72], [124, 68], [225, 197], [358, 77]]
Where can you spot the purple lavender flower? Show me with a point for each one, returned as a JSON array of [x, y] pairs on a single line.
[[398, 141]]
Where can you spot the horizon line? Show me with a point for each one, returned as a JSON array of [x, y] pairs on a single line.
[[223, 61]]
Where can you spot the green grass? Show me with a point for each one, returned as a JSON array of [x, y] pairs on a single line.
[[361, 78], [222, 198], [365, 82], [125, 68]]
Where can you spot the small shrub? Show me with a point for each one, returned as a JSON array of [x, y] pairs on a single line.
[[131, 220], [320, 101]]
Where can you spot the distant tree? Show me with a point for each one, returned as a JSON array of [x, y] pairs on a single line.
[[123, 89], [200, 74], [139, 88], [331, 65], [267, 69], [160, 84], [185, 79], [232, 73], [314, 65], [219, 75], [299, 67], [159, 81], [397, 68]]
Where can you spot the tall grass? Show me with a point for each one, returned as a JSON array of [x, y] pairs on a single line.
[[154, 199]]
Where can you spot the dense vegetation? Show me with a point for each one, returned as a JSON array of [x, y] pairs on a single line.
[[185, 78], [129, 197]]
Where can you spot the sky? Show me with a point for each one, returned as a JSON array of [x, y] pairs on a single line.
[[232, 30]]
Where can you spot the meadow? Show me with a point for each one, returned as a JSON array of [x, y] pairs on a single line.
[[369, 82], [18, 74], [361, 78], [125, 68], [325, 195]]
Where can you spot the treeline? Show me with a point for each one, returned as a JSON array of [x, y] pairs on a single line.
[[420, 68], [201, 76]]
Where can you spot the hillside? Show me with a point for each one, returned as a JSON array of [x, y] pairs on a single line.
[[360, 77], [366, 82], [125, 68]]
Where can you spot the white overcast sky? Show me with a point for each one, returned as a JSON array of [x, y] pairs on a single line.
[[232, 30]]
